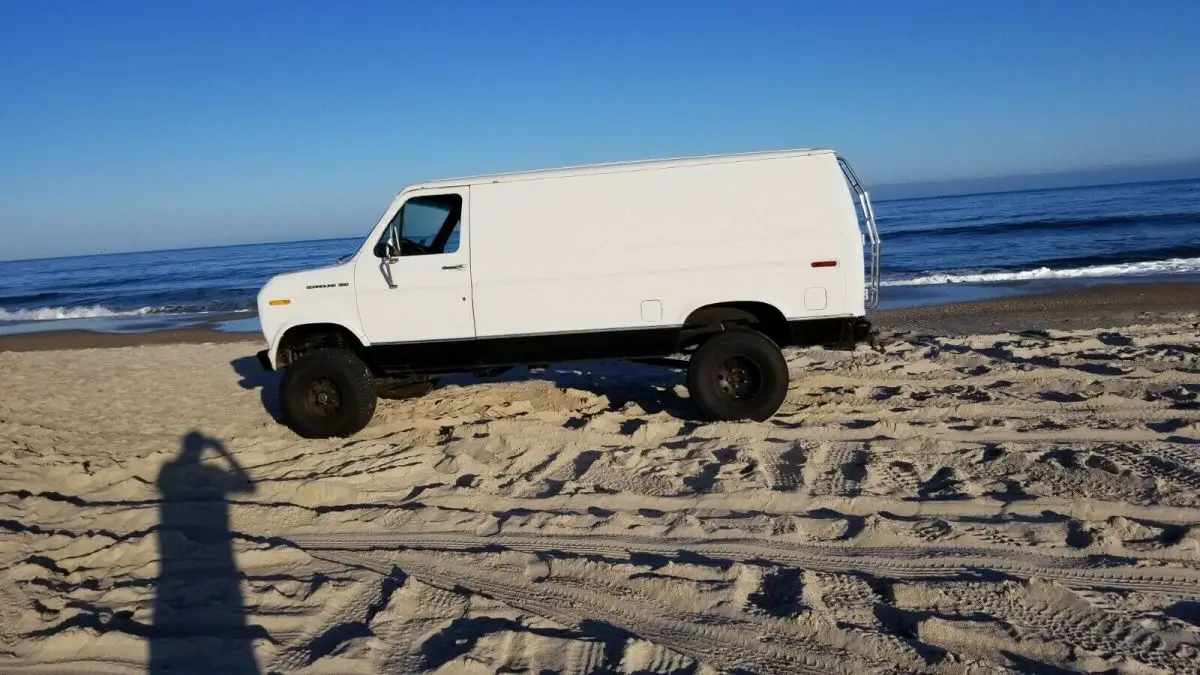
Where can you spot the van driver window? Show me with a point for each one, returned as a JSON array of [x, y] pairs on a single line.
[[429, 225]]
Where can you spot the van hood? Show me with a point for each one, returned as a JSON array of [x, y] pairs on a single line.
[[307, 279]]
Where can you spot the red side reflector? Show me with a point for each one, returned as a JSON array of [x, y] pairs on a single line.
[[824, 263]]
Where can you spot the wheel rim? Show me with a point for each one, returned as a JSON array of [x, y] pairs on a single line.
[[739, 378], [322, 398]]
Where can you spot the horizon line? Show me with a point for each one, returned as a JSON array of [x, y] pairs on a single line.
[[876, 201]]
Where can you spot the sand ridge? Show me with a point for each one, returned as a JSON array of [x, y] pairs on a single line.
[[1012, 502]]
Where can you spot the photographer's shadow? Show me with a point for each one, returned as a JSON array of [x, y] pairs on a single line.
[[254, 376], [199, 616]]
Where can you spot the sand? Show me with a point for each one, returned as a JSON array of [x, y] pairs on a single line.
[[992, 503]]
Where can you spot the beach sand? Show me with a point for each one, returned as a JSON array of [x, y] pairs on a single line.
[[997, 502]]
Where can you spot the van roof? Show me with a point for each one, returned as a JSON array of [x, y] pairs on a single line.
[[611, 167]]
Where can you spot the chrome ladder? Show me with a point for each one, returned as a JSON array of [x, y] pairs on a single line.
[[872, 235]]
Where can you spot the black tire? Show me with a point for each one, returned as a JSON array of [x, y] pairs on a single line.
[[327, 393], [400, 388], [738, 375]]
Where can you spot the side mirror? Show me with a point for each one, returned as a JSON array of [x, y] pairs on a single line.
[[385, 249]]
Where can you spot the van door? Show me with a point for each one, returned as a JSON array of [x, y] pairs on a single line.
[[422, 293]]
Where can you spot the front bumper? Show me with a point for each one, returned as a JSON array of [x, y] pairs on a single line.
[[264, 359]]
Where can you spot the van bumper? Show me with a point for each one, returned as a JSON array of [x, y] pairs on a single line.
[[839, 333], [264, 360], [858, 329]]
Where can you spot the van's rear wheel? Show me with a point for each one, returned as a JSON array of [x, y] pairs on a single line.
[[327, 393], [738, 375]]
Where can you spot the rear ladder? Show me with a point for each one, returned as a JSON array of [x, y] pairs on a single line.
[[872, 234]]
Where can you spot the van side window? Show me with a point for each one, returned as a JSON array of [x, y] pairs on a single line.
[[428, 225]]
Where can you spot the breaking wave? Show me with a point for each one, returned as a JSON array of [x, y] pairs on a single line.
[[97, 311], [1148, 267], [1162, 254]]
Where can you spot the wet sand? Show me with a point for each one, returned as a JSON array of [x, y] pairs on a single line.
[[84, 339]]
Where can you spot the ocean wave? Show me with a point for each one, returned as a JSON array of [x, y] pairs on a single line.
[[27, 298], [911, 264], [97, 311], [1159, 254], [1171, 266], [1050, 224], [55, 313], [209, 307]]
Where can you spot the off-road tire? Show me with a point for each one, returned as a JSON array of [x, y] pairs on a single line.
[[400, 388], [333, 372], [714, 384]]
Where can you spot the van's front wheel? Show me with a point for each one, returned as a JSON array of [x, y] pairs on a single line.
[[738, 375], [327, 393]]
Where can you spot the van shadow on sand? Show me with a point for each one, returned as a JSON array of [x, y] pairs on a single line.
[[650, 387], [254, 376], [199, 616]]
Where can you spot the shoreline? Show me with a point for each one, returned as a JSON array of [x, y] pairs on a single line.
[[1110, 305]]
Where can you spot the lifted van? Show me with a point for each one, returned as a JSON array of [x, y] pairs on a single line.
[[724, 259]]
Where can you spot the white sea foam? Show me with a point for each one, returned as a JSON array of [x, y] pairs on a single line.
[[53, 313], [1172, 266], [97, 311]]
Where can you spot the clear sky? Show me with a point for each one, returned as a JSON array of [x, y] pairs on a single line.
[[139, 125]]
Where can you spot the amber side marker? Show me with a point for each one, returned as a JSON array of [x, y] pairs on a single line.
[[273, 303], [824, 263]]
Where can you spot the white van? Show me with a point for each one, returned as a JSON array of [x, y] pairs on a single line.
[[724, 259]]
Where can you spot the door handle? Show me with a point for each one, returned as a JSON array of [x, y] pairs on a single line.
[[454, 267]]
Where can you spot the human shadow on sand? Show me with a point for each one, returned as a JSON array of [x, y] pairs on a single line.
[[199, 617]]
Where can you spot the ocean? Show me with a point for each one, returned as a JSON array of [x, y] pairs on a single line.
[[934, 250]]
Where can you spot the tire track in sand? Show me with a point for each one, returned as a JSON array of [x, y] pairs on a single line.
[[770, 648], [888, 562]]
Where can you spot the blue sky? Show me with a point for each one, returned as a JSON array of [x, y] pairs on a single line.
[[139, 125]]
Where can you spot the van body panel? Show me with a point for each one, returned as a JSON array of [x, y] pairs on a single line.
[[593, 247]]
